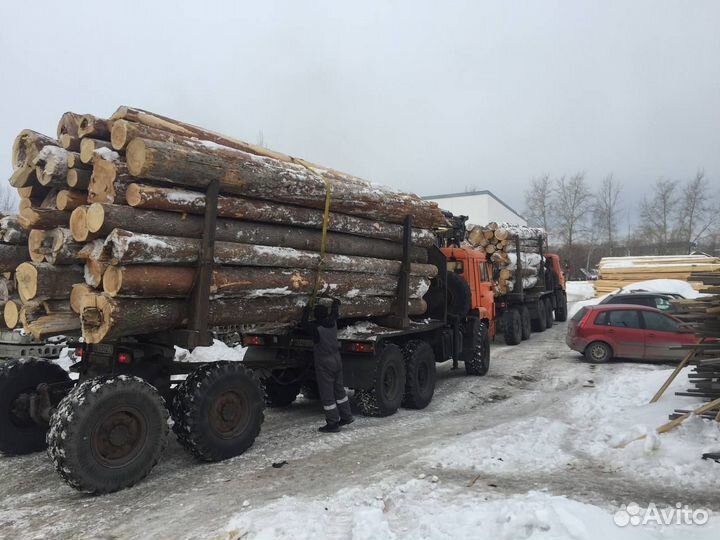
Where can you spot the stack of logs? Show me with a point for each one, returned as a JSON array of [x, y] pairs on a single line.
[[498, 242], [13, 252], [113, 210]]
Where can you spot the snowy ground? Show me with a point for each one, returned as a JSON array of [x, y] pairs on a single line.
[[525, 452]]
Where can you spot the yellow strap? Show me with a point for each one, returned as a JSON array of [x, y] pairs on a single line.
[[326, 221]]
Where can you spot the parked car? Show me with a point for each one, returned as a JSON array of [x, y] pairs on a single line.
[[661, 301], [610, 331]]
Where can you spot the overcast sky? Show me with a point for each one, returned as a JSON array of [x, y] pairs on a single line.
[[429, 97]]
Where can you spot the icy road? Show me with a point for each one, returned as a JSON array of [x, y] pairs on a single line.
[[527, 451]]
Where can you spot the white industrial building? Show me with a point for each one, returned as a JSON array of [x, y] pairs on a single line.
[[481, 207]]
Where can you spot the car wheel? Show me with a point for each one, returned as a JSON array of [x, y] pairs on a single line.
[[598, 352]]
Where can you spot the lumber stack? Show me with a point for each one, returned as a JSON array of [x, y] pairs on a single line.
[[704, 315], [499, 243], [618, 272], [113, 215]]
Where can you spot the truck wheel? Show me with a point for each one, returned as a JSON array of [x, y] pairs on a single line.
[[282, 388], [598, 352], [549, 317], [477, 358], [419, 374], [512, 326], [525, 322], [20, 434], [561, 311], [459, 295], [108, 433], [310, 390], [539, 322], [387, 393], [218, 411]]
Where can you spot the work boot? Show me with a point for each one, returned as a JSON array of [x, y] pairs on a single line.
[[346, 421], [330, 428]]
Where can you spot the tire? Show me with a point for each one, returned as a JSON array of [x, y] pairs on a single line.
[[526, 323], [459, 295], [598, 352], [477, 356], [512, 327], [549, 316], [209, 393], [561, 311], [539, 323], [277, 393], [310, 390], [386, 395], [419, 374], [20, 434], [80, 439]]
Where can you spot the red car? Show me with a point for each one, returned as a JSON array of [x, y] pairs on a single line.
[[610, 331]]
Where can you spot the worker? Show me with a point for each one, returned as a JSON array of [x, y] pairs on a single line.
[[328, 365]]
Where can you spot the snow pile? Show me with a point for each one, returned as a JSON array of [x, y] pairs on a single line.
[[673, 286], [214, 353], [422, 509], [579, 290]]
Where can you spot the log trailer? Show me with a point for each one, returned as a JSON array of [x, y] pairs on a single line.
[[106, 430]]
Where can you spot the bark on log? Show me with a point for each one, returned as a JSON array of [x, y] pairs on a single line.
[[39, 218], [112, 318], [69, 200], [103, 218], [177, 282], [70, 142], [7, 290], [27, 146], [51, 166], [55, 324], [124, 247], [11, 232], [269, 179], [46, 281], [192, 202], [88, 147], [23, 176], [11, 256], [79, 178], [68, 124], [34, 191], [93, 127]]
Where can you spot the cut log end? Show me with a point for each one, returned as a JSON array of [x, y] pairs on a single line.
[[133, 195], [119, 134], [112, 280], [27, 281], [11, 313], [95, 217], [78, 224], [135, 156], [81, 295]]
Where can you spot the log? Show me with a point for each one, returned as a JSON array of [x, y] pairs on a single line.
[[33, 192], [23, 176], [38, 240], [501, 233], [111, 318], [70, 142], [7, 290], [265, 178], [253, 282], [51, 166], [88, 147], [95, 270], [109, 181], [27, 146], [192, 202], [11, 256], [101, 219], [62, 248], [11, 313], [80, 296], [54, 324], [38, 218], [11, 232], [50, 200], [28, 203], [93, 127], [124, 247], [79, 179], [78, 225], [123, 132], [46, 281], [69, 200], [68, 125]]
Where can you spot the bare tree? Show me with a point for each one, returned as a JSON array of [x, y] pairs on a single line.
[[571, 206], [607, 209], [696, 214], [8, 199], [658, 214], [538, 198]]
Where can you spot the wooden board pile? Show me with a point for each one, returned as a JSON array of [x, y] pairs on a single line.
[[617, 272], [498, 242], [704, 314], [114, 213]]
